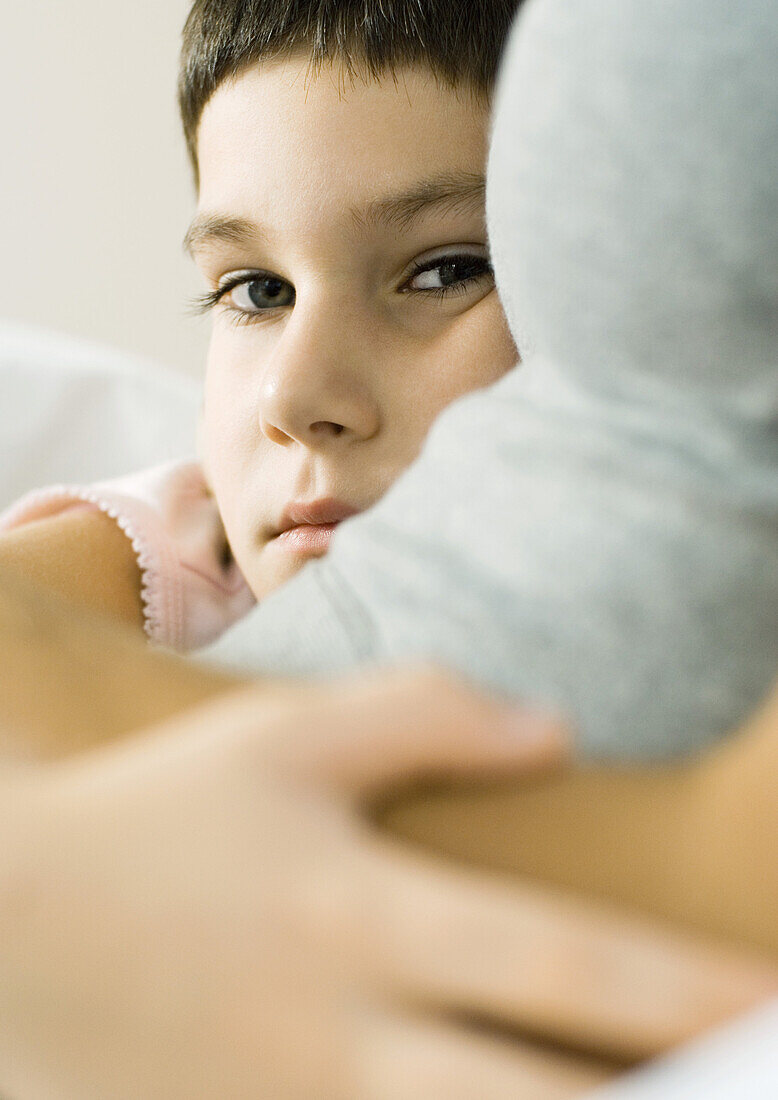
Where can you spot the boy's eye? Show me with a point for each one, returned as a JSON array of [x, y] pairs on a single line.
[[446, 274], [252, 295], [247, 294]]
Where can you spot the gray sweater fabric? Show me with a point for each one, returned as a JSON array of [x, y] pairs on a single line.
[[597, 532]]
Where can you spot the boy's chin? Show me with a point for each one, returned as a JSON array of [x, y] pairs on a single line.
[[267, 577]]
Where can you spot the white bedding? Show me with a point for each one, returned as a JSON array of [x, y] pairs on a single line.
[[74, 411]]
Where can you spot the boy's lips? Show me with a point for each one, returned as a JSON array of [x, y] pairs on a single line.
[[307, 526], [314, 513]]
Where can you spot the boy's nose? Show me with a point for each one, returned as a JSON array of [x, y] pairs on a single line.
[[315, 400]]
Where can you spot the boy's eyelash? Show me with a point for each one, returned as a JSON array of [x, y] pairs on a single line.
[[203, 303], [447, 258], [460, 287]]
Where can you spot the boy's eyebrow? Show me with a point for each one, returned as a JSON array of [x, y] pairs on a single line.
[[449, 190], [217, 227], [399, 210]]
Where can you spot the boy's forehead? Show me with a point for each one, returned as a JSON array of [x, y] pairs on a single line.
[[279, 128]]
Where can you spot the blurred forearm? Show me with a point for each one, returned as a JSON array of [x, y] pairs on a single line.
[[82, 556], [70, 679]]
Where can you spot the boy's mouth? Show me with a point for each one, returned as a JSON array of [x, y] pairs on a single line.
[[307, 526]]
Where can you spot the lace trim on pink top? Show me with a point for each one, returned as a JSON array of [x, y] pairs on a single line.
[[161, 588]]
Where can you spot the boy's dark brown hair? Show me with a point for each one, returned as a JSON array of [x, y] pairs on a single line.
[[460, 41]]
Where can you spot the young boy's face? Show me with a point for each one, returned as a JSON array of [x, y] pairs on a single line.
[[343, 230]]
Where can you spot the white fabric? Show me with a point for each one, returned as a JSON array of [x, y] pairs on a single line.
[[739, 1062], [72, 411]]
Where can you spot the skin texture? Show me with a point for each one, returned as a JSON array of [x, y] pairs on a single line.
[[331, 394]]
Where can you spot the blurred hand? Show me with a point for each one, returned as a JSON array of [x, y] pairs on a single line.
[[205, 912]]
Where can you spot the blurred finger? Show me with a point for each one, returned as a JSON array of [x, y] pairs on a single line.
[[425, 1059], [554, 965], [403, 725]]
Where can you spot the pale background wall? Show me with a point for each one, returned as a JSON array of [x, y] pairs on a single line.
[[94, 188]]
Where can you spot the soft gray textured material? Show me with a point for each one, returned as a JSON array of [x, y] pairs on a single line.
[[599, 530]]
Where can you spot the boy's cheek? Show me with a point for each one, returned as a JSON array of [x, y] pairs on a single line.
[[199, 435], [218, 472], [202, 448]]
